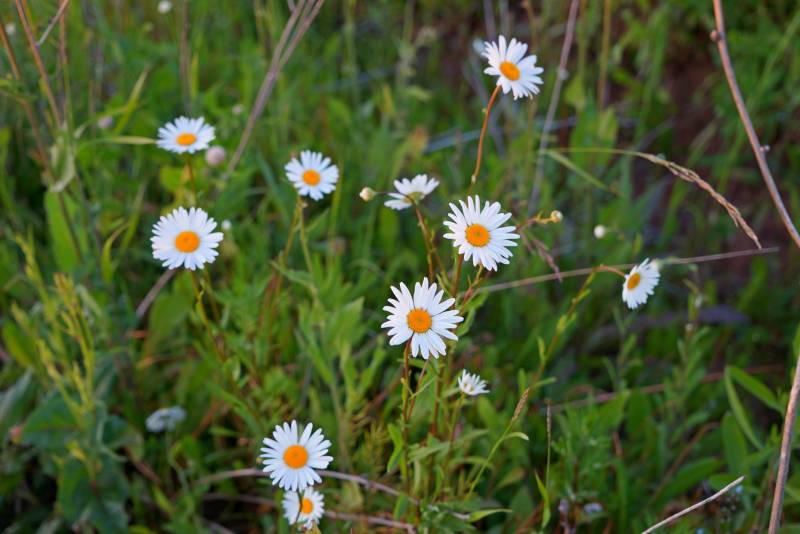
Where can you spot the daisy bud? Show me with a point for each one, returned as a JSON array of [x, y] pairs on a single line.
[[599, 231], [165, 6], [104, 123], [367, 194], [557, 216], [237, 109], [215, 156], [11, 29], [226, 225]]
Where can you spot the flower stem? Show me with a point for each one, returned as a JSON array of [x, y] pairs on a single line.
[[482, 137], [191, 177]]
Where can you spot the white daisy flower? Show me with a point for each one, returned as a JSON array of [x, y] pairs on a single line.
[[408, 190], [424, 318], [185, 135], [185, 238], [306, 510], [291, 460], [165, 419], [471, 385], [640, 283], [477, 232], [515, 74], [313, 174]]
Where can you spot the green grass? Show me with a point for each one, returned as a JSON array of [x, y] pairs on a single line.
[[626, 416]]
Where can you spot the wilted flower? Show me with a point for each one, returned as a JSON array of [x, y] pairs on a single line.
[[408, 190], [165, 419], [471, 384]]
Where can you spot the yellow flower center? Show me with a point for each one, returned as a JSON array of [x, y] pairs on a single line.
[[296, 456], [477, 235], [633, 281], [419, 320], [187, 241], [185, 139], [306, 506], [311, 177], [509, 70]]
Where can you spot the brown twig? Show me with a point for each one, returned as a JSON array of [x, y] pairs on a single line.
[[720, 37], [561, 75], [147, 301], [695, 506], [300, 19], [588, 270], [61, 9], [786, 453]]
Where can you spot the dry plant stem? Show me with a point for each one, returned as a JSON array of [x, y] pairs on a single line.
[[786, 453], [25, 104], [695, 506], [56, 18], [561, 75], [37, 58], [588, 270], [719, 36], [472, 287], [482, 137], [144, 305], [300, 18]]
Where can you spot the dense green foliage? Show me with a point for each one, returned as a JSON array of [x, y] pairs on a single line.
[[629, 415]]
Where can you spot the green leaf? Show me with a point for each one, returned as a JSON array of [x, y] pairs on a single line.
[[579, 171], [480, 514], [51, 425], [734, 445], [738, 410], [755, 387], [14, 401], [545, 500]]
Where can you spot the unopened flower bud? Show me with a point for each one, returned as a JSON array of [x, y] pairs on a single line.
[[11, 29], [104, 123], [557, 216], [367, 194], [226, 225], [215, 156], [165, 6], [599, 231]]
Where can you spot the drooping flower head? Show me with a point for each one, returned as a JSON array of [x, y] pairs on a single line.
[[313, 175], [471, 384], [640, 283], [310, 508], [185, 135], [514, 73], [291, 457], [408, 190], [478, 233], [165, 419], [423, 317], [185, 238]]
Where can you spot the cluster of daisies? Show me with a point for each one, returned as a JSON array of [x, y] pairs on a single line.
[[423, 319]]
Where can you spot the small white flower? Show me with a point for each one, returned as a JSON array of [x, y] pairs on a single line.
[[408, 190], [165, 419], [471, 385], [185, 135], [185, 238], [367, 194], [291, 458], [422, 317], [639, 284], [515, 74], [226, 225], [313, 174], [478, 235], [599, 231], [11, 29], [164, 7], [306, 510]]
